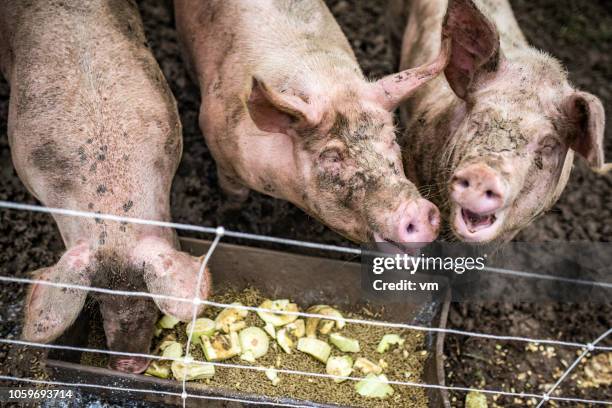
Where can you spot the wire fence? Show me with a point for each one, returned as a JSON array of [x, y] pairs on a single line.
[[196, 301]]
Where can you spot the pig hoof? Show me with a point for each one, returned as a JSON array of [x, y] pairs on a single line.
[[132, 365]]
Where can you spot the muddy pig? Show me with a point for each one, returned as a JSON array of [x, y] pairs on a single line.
[[93, 126], [286, 111], [494, 138]]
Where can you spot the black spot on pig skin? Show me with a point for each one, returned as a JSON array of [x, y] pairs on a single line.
[[101, 189], [56, 167], [128, 205]]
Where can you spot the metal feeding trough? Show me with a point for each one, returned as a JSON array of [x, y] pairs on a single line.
[[304, 279]]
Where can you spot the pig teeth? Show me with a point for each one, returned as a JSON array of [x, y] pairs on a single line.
[[476, 222]]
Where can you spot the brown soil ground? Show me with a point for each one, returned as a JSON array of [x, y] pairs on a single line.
[[578, 33]]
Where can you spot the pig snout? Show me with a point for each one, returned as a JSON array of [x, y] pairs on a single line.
[[133, 365], [417, 222], [128, 325], [479, 189], [479, 194]]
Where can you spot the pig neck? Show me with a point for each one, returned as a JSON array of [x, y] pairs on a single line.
[[432, 115]]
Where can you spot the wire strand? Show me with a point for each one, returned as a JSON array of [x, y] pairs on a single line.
[[264, 238], [314, 315], [311, 315]]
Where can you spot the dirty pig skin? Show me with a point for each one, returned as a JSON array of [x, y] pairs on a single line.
[[93, 127], [494, 138], [287, 111]]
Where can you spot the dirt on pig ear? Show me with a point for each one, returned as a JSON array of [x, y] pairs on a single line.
[[584, 118], [280, 112], [394, 89], [475, 45]]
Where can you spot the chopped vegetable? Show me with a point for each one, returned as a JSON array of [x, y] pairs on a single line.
[[387, 341], [253, 342], [316, 348], [297, 328], [157, 331], [374, 386], [202, 327], [340, 366], [237, 326], [312, 323], [173, 350], [475, 399], [221, 346], [192, 371], [157, 369], [167, 322], [269, 328], [326, 326], [344, 344], [281, 305], [167, 341], [366, 366], [272, 375], [283, 340], [247, 356], [228, 316]]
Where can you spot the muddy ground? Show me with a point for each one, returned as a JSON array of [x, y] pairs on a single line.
[[578, 33]]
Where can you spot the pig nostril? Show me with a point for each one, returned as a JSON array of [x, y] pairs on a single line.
[[410, 228], [491, 194]]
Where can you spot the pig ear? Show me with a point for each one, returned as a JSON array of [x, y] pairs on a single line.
[[475, 45], [394, 89], [51, 310], [171, 273], [278, 112], [586, 118]]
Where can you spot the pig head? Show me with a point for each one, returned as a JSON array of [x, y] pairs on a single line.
[[128, 320], [506, 136]]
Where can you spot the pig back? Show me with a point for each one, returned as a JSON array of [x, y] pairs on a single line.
[[92, 123]]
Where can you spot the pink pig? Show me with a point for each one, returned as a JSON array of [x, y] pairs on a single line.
[[287, 111], [493, 139], [93, 127]]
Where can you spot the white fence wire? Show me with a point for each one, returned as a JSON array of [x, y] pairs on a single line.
[[196, 301]]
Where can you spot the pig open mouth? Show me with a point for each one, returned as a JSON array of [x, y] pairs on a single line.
[[476, 222], [476, 227]]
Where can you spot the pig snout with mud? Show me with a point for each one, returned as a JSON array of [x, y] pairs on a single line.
[[287, 111], [93, 126], [494, 138]]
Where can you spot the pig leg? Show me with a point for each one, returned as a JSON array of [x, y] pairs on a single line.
[[230, 185], [170, 272], [51, 310], [128, 325]]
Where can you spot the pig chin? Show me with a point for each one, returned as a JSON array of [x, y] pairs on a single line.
[[470, 226]]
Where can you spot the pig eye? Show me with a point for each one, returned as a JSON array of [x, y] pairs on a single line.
[[331, 156], [549, 146]]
